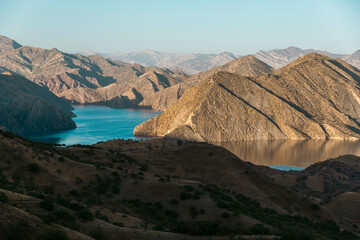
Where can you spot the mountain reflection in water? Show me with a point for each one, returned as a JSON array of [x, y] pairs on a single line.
[[290, 152]]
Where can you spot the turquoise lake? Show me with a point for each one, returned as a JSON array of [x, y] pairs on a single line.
[[98, 123]]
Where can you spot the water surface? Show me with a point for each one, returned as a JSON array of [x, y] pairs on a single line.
[[290, 154], [98, 123]]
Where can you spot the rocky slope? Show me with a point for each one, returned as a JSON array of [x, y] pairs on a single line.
[[278, 58], [8, 44], [27, 108], [189, 63], [91, 79], [248, 66], [153, 189], [314, 97]]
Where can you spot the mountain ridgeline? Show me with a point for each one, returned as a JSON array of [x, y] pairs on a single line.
[[88, 80], [315, 97]]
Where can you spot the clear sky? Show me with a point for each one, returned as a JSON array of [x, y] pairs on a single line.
[[183, 26]]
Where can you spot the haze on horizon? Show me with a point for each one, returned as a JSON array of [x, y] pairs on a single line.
[[204, 26]]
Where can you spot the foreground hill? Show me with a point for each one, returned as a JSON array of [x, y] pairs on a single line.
[[335, 183], [8, 44], [314, 97], [143, 189], [278, 58], [28, 108], [91, 79]]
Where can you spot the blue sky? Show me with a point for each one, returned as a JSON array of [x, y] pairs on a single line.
[[183, 26]]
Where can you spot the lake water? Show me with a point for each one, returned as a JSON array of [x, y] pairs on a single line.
[[291, 154], [97, 123]]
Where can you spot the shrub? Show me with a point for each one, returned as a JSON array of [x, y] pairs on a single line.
[[174, 201], [189, 188], [4, 198], [98, 235], [33, 168], [16, 231], [314, 206], [296, 234], [259, 229], [193, 211], [185, 195], [85, 215], [47, 204], [225, 215], [171, 213], [118, 224], [54, 234]]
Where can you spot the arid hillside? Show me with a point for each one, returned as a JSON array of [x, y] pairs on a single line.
[[142, 189], [315, 97], [334, 183]]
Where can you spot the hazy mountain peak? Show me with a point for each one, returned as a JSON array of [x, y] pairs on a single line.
[[8, 44], [149, 51]]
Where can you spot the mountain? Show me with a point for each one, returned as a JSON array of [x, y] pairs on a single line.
[[8, 44], [315, 97], [278, 58], [91, 79], [28, 108], [154, 189], [188, 63], [353, 59], [246, 66]]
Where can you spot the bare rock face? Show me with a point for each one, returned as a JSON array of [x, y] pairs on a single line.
[[28, 108], [315, 97]]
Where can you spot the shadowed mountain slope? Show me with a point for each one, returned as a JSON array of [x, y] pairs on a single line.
[[28, 108]]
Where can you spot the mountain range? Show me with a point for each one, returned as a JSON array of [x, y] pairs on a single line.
[[194, 62], [314, 97], [188, 63], [91, 79]]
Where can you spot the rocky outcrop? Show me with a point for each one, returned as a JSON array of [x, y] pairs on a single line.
[[27, 108], [315, 97]]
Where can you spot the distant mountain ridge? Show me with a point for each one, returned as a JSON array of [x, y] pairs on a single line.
[[278, 58], [189, 63], [193, 63]]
